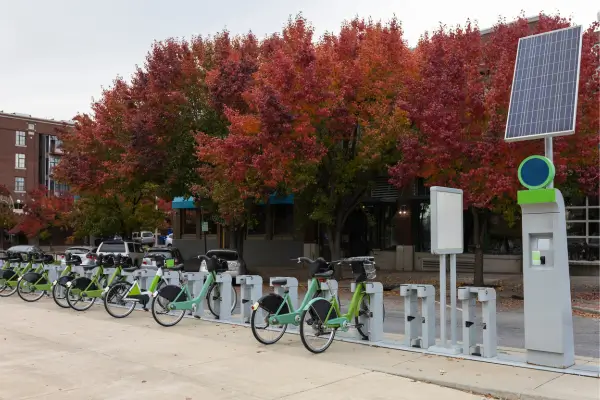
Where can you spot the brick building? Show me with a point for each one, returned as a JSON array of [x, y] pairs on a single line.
[[29, 150]]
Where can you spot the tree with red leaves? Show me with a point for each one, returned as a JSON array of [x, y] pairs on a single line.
[[8, 218], [459, 108], [43, 213], [322, 119]]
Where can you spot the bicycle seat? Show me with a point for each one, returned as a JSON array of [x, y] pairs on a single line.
[[129, 269], [279, 282], [326, 274]]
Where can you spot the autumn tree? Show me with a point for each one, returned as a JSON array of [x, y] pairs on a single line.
[[44, 212], [459, 107], [322, 118], [8, 218]]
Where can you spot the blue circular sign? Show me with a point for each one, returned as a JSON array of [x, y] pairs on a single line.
[[536, 172]]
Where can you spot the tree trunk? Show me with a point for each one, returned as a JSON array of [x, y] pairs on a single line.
[[334, 235], [479, 228], [237, 239]]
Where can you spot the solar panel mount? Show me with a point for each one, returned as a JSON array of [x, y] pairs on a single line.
[[543, 101]]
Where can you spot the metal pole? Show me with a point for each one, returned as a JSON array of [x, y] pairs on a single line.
[[453, 299], [443, 299], [156, 228], [202, 228], [548, 149]]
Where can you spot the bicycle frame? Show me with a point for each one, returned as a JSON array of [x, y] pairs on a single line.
[[292, 317], [19, 272], [39, 282], [192, 303], [341, 320], [99, 290], [135, 291]]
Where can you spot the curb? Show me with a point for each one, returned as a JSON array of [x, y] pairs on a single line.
[[498, 394], [587, 310]]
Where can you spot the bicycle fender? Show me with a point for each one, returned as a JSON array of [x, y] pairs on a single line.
[[271, 303], [322, 307], [82, 283], [7, 274], [172, 292], [34, 277], [62, 281]]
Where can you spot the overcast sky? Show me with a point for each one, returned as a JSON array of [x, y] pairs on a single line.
[[56, 55]]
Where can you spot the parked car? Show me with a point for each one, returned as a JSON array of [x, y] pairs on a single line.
[[23, 250], [165, 252], [169, 240], [86, 253], [143, 237], [129, 249], [236, 264]]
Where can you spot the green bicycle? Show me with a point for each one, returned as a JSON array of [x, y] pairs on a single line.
[[321, 318], [9, 276], [174, 300], [59, 286], [35, 283], [272, 313], [82, 292], [124, 295]]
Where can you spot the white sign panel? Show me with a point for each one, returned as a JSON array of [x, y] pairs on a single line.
[[446, 220]]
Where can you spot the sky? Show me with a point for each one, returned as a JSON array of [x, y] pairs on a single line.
[[56, 56]]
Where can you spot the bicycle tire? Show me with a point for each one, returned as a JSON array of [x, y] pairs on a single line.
[[8, 290], [158, 321], [304, 335], [209, 296], [19, 292], [363, 333], [255, 330], [72, 302], [111, 292], [55, 297]]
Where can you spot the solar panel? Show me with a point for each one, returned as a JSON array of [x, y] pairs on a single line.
[[543, 100]]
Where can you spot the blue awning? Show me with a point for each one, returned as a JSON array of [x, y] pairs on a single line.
[[179, 203], [276, 199]]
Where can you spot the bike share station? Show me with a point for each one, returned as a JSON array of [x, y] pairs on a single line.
[[548, 319]]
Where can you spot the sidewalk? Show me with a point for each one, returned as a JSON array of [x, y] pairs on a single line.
[[54, 349]]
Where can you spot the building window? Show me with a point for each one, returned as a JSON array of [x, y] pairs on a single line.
[[20, 161], [283, 219], [52, 162], [257, 225], [583, 229], [190, 218], [19, 184], [21, 139]]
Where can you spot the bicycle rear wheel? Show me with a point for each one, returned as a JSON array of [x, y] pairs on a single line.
[[6, 290], [261, 329], [28, 292], [115, 302], [163, 315], [315, 335], [59, 294], [214, 294], [78, 302]]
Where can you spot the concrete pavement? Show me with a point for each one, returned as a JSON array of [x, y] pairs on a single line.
[[51, 353]]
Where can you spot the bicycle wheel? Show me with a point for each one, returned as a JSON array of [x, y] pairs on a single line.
[[315, 335], [78, 302], [28, 292], [365, 310], [115, 303], [259, 323], [59, 294], [8, 290], [161, 313], [214, 294]]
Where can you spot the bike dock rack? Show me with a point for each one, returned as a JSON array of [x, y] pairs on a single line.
[[468, 297], [415, 318], [195, 280], [250, 292], [223, 303], [172, 277], [291, 286], [373, 323], [144, 275]]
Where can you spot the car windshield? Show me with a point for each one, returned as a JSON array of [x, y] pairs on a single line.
[[147, 234], [112, 248], [166, 254]]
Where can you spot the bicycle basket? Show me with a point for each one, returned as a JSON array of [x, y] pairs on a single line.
[[363, 268], [216, 265], [320, 266]]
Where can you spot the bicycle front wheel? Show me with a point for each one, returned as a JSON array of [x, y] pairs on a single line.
[[214, 294], [28, 292], [59, 294], [163, 315], [6, 290], [262, 330], [78, 302], [365, 309], [115, 302], [316, 336]]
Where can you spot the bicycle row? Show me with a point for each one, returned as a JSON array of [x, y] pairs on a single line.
[[122, 287]]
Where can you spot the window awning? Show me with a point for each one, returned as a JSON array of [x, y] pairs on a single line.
[[179, 203], [276, 199]]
